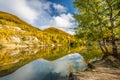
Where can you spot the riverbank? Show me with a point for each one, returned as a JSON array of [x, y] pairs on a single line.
[[107, 69]]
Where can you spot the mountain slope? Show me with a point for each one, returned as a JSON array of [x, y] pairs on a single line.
[[10, 19], [58, 36], [54, 30], [16, 32]]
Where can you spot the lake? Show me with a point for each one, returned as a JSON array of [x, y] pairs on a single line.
[[40, 63]]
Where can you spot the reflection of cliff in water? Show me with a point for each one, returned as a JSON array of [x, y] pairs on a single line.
[[42, 69], [11, 60]]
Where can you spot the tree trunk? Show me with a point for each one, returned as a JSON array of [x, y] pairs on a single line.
[[114, 46], [106, 49], [103, 51]]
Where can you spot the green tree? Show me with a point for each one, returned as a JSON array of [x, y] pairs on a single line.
[[97, 21]]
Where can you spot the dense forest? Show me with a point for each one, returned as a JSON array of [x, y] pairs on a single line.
[[11, 27]]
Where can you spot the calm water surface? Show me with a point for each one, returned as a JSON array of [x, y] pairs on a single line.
[[54, 65]]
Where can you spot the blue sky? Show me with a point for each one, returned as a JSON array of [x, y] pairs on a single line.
[[66, 3], [43, 13]]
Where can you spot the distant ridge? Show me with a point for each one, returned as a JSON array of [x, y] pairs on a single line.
[[54, 30]]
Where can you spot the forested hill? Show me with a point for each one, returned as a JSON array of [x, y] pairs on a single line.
[[16, 32], [54, 30], [12, 20]]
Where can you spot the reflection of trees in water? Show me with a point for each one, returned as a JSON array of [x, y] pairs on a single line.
[[11, 60]]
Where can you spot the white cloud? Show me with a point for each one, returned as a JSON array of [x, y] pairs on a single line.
[[64, 22], [19, 8], [41, 6], [59, 8], [38, 13]]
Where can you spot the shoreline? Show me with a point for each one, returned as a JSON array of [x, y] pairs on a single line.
[[107, 69]]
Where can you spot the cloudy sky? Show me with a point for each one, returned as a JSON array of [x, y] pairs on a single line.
[[43, 13]]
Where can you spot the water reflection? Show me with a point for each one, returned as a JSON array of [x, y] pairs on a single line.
[[11, 60], [42, 69]]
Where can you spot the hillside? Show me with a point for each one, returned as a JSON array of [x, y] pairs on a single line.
[[58, 36], [54, 30], [12, 20], [16, 32]]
